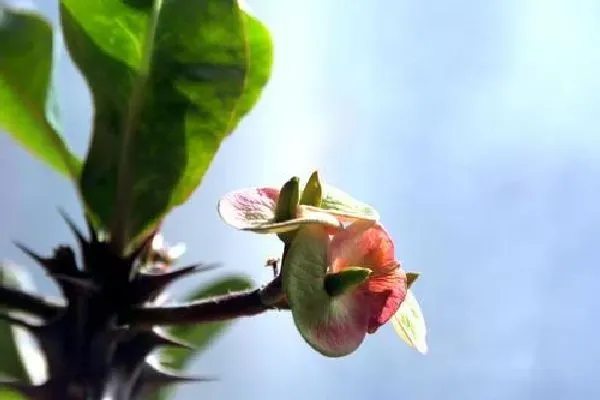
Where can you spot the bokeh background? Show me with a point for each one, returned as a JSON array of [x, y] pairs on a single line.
[[472, 126]]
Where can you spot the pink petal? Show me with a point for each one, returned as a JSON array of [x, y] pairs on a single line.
[[386, 293], [248, 208], [362, 244], [365, 244]]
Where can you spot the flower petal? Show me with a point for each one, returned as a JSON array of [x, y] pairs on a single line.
[[409, 324], [333, 326], [246, 209], [346, 207], [386, 294], [364, 244], [254, 210], [367, 244]]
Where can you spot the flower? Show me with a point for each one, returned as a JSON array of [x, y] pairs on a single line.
[[339, 275], [335, 324], [370, 246]]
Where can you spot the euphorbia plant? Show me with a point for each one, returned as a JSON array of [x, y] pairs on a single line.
[[169, 81]]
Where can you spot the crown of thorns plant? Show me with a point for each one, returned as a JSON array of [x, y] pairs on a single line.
[[169, 81]]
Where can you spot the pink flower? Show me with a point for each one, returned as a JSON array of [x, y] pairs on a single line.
[[336, 325], [370, 246]]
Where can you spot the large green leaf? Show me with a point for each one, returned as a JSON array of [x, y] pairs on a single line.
[[28, 111], [200, 336], [169, 82], [260, 61]]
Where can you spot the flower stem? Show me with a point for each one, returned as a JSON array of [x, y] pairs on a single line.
[[220, 308]]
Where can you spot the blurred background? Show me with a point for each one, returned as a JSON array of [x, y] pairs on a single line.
[[471, 126]]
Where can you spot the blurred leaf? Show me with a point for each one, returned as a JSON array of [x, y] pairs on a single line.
[[200, 336], [29, 112], [11, 363], [166, 92], [6, 394]]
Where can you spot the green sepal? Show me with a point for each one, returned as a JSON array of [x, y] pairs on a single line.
[[287, 205], [338, 283], [411, 277], [313, 191]]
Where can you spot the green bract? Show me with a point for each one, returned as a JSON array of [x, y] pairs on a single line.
[[409, 324], [312, 195], [330, 324]]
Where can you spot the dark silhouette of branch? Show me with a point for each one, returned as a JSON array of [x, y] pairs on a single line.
[[18, 300], [230, 306]]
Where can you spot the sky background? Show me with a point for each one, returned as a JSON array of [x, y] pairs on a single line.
[[472, 126]]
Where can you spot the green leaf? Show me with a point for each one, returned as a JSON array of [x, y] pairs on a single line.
[[260, 63], [6, 394], [200, 336], [29, 112], [19, 359], [169, 83]]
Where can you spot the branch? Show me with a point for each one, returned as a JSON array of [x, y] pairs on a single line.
[[220, 308], [15, 299]]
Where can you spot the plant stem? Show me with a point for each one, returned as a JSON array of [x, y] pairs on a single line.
[[220, 308], [15, 299]]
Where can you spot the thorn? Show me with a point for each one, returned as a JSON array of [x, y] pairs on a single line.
[[92, 232], [80, 238], [161, 375], [182, 272], [39, 259], [146, 285], [164, 339], [153, 377]]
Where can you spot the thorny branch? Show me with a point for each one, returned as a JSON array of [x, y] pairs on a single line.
[[15, 299], [233, 305]]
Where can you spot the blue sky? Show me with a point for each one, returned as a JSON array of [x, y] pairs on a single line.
[[472, 127]]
